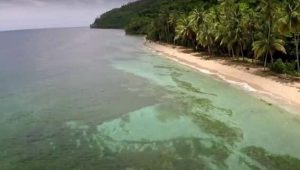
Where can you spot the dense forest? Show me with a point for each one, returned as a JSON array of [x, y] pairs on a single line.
[[266, 30]]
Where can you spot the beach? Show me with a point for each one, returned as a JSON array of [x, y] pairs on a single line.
[[285, 93]]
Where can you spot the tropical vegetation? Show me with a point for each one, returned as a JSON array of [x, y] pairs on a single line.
[[261, 30]]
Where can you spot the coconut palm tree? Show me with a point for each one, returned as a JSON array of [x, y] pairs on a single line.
[[197, 21], [290, 24], [225, 32], [205, 38], [266, 46], [226, 7], [250, 25], [172, 21], [207, 29], [184, 30], [238, 38], [197, 18], [164, 26], [267, 8]]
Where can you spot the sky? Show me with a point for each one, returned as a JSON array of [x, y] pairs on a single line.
[[30, 14]]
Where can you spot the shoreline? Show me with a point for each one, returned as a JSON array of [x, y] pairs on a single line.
[[285, 94]]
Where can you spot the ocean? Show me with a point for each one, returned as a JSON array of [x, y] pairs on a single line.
[[77, 98]]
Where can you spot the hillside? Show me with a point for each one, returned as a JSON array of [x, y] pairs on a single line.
[[120, 17], [266, 30], [135, 17]]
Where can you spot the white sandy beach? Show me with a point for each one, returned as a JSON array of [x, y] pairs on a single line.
[[268, 87]]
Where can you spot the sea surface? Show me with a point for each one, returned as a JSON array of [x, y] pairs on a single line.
[[84, 99]]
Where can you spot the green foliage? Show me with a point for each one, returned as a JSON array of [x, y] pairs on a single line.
[[267, 46], [138, 26], [290, 24], [184, 30], [278, 66], [121, 17], [261, 29], [290, 68]]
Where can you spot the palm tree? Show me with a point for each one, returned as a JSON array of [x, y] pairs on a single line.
[[164, 26], [267, 46], [172, 21], [206, 30], [267, 9], [226, 7], [225, 35], [227, 29], [184, 30], [238, 31], [197, 21], [205, 38], [197, 18], [290, 24], [250, 25]]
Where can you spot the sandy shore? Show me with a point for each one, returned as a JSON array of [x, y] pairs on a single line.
[[270, 88]]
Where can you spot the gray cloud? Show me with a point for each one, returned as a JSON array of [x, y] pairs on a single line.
[[65, 2], [26, 14]]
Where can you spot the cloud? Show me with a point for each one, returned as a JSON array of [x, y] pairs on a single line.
[[27, 14], [64, 2]]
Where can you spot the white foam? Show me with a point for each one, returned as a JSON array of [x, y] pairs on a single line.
[[242, 85]]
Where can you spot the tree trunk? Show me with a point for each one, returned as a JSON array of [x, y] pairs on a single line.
[[242, 52], [269, 38], [297, 52], [237, 53], [265, 63], [252, 39], [186, 42], [169, 37], [194, 44], [272, 59], [271, 55], [232, 51], [229, 51]]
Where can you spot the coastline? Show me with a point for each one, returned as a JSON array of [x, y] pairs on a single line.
[[269, 88]]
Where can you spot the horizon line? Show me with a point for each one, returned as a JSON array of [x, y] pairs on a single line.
[[43, 28]]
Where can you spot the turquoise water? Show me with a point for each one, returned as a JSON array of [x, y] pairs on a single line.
[[97, 99]]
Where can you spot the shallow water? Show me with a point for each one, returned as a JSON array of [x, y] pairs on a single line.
[[97, 99]]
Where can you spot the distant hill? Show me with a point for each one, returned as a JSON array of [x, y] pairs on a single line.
[[120, 17], [136, 16]]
